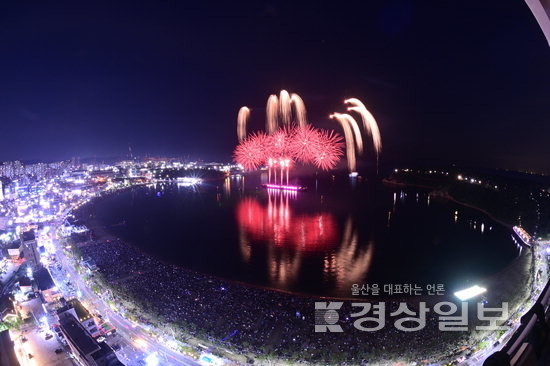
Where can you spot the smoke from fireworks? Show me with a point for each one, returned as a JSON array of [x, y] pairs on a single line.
[[299, 110], [368, 121], [272, 113], [242, 118], [350, 141]]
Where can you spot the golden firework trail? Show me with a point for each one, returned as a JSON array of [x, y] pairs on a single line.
[[352, 261], [299, 109], [368, 121], [272, 113], [356, 131], [350, 142], [242, 119], [279, 111], [285, 107]]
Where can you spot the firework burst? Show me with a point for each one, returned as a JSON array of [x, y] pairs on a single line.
[[279, 142], [283, 147], [329, 150], [305, 143], [291, 139], [251, 152]]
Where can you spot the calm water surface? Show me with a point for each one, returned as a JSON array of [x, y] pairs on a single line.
[[319, 242]]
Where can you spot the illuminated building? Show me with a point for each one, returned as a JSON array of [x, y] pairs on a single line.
[[78, 310], [45, 284], [14, 249], [25, 284], [84, 347], [30, 249]]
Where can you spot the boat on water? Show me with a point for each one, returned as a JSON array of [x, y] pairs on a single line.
[[523, 235], [283, 187]]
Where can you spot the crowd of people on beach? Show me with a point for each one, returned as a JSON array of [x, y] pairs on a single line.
[[257, 322]]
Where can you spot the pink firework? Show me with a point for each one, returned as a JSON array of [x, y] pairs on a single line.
[[329, 150], [279, 143], [285, 145], [305, 142], [251, 152]]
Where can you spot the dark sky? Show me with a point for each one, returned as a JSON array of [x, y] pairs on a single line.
[[464, 82]]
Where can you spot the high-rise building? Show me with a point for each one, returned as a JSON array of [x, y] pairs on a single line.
[[30, 250]]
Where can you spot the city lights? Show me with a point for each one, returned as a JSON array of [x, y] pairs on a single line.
[[152, 360], [189, 181], [140, 343]]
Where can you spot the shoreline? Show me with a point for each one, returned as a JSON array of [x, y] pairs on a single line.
[[288, 300], [445, 195], [102, 233], [438, 192]]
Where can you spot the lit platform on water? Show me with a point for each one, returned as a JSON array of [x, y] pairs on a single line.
[[283, 187]]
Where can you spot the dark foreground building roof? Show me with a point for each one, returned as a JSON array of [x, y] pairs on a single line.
[[28, 235], [78, 335], [106, 356], [25, 281], [7, 352], [90, 351], [43, 279], [6, 306]]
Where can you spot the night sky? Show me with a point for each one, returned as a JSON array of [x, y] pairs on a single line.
[[465, 82]]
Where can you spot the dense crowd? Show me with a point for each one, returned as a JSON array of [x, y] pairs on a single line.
[[257, 322]]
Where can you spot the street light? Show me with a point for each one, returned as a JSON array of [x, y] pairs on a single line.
[[152, 359], [470, 292]]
